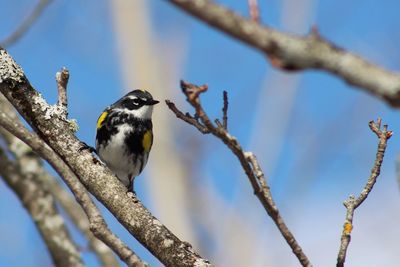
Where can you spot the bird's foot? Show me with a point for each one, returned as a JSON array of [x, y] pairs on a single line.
[[87, 147]]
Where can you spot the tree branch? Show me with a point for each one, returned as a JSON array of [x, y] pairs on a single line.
[[26, 24], [97, 224], [96, 177], [353, 203], [22, 153], [42, 208], [62, 81], [248, 161], [290, 52], [254, 11]]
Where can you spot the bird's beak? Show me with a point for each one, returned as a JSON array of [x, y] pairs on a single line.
[[152, 102]]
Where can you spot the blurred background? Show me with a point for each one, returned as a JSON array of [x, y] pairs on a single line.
[[309, 130]]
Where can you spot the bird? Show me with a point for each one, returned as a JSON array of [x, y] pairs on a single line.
[[124, 135]]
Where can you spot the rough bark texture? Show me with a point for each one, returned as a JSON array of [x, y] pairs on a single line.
[[290, 52], [98, 179], [41, 206], [96, 222], [21, 151]]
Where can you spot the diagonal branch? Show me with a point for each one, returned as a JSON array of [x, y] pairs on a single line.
[[97, 224], [42, 209], [248, 161], [22, 153], [353, 203], [290, 52], [96, 177]]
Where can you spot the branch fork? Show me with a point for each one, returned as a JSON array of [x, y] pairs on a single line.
[[248, 160], [352, 203], [60, 147]]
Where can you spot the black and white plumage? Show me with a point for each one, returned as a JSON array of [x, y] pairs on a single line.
[[125, 135]]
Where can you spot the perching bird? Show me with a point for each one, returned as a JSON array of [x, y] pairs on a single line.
[[125, 135]]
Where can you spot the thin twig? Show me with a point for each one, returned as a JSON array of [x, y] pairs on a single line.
[[97, 223], [353, 203], [254, 10], [26, 24], [224, 123], [187, 117], [225, 111], [62, 82], [248, 161]]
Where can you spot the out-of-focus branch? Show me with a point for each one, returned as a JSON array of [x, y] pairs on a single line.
[[247, 160], [96, 177], [97, 224], [290, 52], [42, 208], [79, 218], [150, 57], [353, 203], [254, 11], [24, 154], [26, 24]]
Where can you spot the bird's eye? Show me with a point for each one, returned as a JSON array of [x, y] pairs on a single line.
[[132, 103], [136, 101]]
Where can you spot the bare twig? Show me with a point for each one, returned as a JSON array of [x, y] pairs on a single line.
[[353, 203], [224, 123], [187, 117], [42, 208], [247, 160], [62, 81], [290, 52], [97, 178], [97, 223], [225, 111], [254, 11], [26, 24]]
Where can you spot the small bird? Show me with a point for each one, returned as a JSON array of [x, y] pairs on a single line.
[[125, 135]]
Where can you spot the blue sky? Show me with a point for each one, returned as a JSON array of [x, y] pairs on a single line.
[[309, 129]]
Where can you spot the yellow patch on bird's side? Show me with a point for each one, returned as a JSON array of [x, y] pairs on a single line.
[[101, 119], [147, 141]]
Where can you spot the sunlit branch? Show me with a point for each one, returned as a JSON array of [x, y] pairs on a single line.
[[353, 203], [248, 161]]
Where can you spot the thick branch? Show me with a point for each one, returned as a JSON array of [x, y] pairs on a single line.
[[290, 52], [248, 161], [97, 224], [42, 208], [96, 177], [353, 203], [79, 218], [22, 153]]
